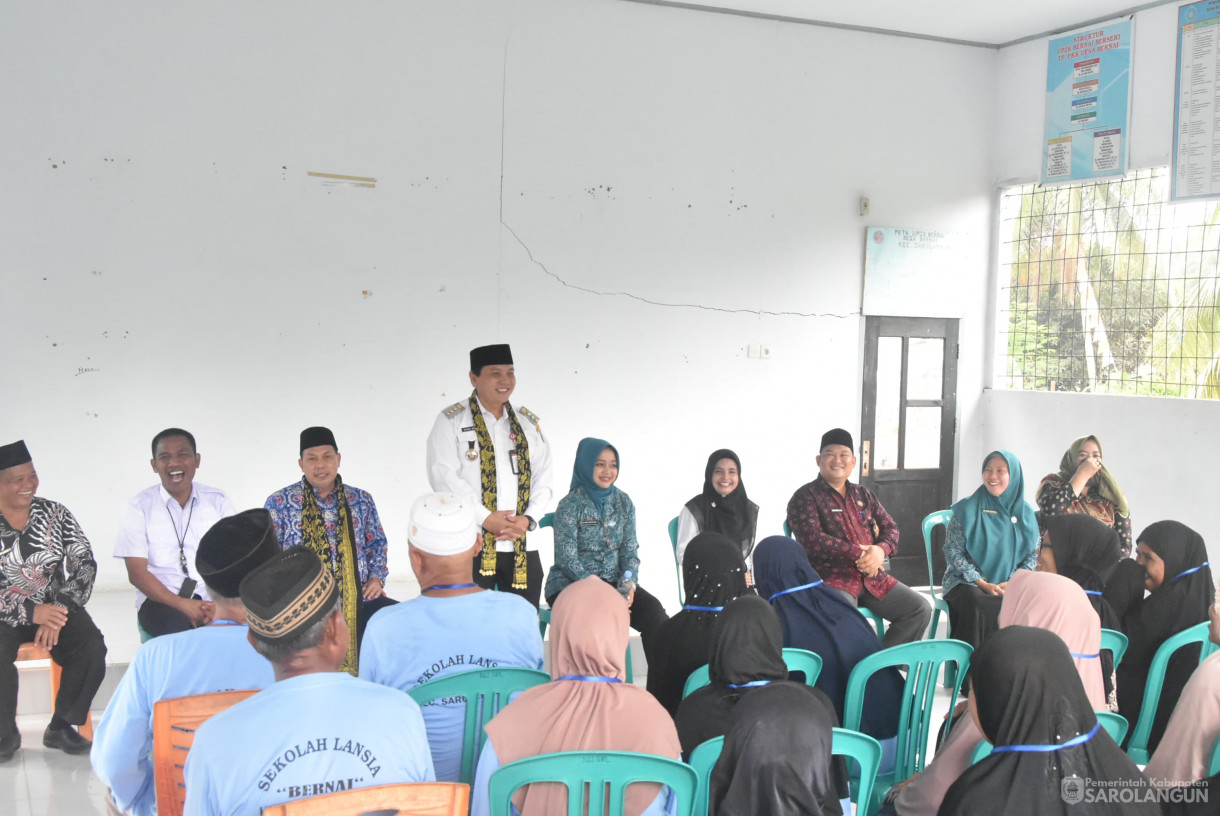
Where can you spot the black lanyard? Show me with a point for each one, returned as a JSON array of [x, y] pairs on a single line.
[[182, 538]]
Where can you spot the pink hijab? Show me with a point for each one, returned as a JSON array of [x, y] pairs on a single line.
[[588, 638], [1039, 599]]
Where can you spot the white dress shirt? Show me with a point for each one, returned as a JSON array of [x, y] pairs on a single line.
[[153, 523], [450, 470]]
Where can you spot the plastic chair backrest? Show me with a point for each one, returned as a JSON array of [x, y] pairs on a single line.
[[174, 724], [673, 542], [486, 692], [607, 774], [801, 660], [787, 529], [924, 659], [867, 752], [702, 760], [1116, 643], [1214, 767], [929, 523], [404, 799], [547, 521], [1115, 725], [861, 747], [1137, 748]]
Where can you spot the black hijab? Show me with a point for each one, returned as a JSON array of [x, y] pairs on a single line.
[[747, 646], [1028, 692], [1180, 602], [714, 573], [776, 759], [821, 620], [734, 515]]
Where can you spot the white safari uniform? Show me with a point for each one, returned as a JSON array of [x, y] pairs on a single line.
[[453, 462]]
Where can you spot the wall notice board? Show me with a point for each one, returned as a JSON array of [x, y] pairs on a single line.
[[913, 272]]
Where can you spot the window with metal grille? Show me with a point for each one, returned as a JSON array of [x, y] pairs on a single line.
[[1107, 287]]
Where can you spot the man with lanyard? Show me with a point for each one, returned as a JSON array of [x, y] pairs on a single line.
[[848, 535], [315, 729], [339, 522], [216, 657], [482, 450], [453, 626], [159, 531]]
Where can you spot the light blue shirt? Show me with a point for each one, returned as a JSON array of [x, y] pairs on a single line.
[[305, 736], [425, 638], [666, 804], [212, 658]]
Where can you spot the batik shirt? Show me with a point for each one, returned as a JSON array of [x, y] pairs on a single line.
[[959, 568], [835, 530], [34, 561], [1058, 498], [370, 541], [589, 542]]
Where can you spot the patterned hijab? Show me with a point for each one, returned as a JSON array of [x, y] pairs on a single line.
[[1106, 486]]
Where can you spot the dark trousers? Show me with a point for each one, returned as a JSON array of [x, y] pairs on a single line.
[[366, 610], [907, 612], [81, 652], [503, 579], [159, 619]]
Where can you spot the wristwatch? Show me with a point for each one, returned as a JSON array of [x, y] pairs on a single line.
[[533, 524]]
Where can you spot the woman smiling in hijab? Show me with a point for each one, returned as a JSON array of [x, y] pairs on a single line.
[[1179, 580], [595, 535], [1029, 702], [586, 707], [714, 574], [815, 617], [992, 534], [722, 507], [1085, 485]]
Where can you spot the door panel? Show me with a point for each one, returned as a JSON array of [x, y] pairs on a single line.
[[908, 430]]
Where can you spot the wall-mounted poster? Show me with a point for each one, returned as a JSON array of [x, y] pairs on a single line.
[[1196, 131], [1088, 103], [914, 272]]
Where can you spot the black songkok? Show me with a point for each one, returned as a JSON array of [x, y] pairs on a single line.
[[499, 354], [14, 454], [288, 594], [837, 436], [233, 547], [317, 435]]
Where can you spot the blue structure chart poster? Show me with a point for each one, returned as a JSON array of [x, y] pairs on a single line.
[[1088, 103], [1196, 131]]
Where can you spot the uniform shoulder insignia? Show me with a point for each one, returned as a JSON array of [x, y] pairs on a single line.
[[454, 410], [530, 415]]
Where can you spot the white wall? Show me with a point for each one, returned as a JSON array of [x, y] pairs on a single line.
[[167, 260], [1152, 445]]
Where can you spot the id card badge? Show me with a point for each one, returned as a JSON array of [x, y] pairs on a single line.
[[512, 460]]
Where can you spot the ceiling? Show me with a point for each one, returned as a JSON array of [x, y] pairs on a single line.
[[979, 22]]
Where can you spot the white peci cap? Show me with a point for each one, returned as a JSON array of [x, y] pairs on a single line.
[[442, 524]]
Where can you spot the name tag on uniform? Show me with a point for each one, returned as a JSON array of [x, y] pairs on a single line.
[[588, 523], [991, 512], [836, 510], [468, 428]]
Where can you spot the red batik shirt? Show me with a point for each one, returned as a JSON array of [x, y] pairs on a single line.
[[835, 530]]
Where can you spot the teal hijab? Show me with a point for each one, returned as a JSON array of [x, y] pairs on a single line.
[[1001, 531], [582, 472]]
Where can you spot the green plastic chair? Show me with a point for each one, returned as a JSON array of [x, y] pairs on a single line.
[[924, 660], [702, 760], [544, 615], [801, 660], [1116, 643], [606, 773], [144, 636], [1115, 725], [862, 748], [486, 692], [673, 542], [1137, 748], [1214, 767], [872, 617], [938, 604]]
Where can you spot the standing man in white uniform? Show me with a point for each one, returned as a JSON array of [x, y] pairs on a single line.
[[159, 533], [484, 450]]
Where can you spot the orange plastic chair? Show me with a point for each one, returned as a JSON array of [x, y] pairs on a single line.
[[31, 651], [405, 799], [175, 722]]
